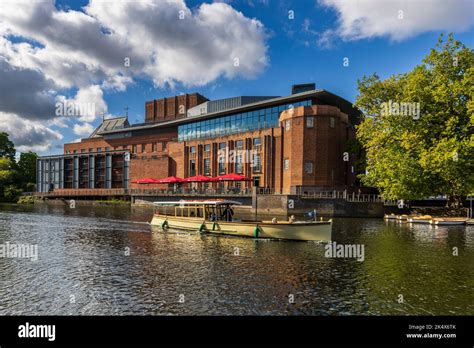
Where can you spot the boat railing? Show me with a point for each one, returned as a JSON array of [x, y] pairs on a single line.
[[335, 194]]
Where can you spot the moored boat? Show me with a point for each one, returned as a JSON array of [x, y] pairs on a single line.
[[390, 216], [449, 221], [402, 217], [422, 219], [216, 216]]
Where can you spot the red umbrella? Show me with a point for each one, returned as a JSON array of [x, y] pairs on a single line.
[[170, 180], [231, 177], [198, 178], [146, 181]]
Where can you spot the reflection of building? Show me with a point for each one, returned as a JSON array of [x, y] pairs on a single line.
[[279, 142]]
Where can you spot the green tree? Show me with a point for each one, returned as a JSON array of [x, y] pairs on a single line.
[[27, 168], [6, 174], [428, 148], [7, 149]]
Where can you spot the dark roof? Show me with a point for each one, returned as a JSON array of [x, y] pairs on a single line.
[[321, 95]]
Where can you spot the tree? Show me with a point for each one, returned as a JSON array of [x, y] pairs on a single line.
[[27, 168], [7, 149], [6, 173], [417, 128]]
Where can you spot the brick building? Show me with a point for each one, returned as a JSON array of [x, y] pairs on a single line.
[[281, 143]]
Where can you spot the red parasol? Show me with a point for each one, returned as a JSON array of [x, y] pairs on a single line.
[[198, 178], [170, 180]]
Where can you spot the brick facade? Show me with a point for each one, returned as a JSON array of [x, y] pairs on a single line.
[[305, 149]]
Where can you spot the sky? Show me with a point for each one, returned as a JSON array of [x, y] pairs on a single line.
[[66, 64]]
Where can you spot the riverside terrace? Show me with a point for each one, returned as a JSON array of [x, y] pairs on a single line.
[[295, 142]]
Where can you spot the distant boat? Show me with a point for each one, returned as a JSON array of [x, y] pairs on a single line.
[[422, 219], [449, 221], [390, 217], [402, 217], [214, 216]]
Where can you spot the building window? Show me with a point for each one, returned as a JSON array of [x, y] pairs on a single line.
[[83, 150], [153, 147], [207, 148], [143, 147], [134, 148], [221, 146], [207, 166], [192, 168], [99, 149], [287, 125], [124, 147], [332, 174], [257, 163], [308, 167], [192, 149], [163, 144], [221, 165], [332, 122], [75, 151], [238, 164], [309, 122], [287, 164], [239, 144], [257, 141]]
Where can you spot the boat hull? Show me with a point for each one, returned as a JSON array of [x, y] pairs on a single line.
[[419, 221], [307, 231], [448, 223]]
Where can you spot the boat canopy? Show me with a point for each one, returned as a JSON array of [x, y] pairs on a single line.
[[199, 202]]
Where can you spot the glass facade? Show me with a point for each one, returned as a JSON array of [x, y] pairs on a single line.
[[236, 123]]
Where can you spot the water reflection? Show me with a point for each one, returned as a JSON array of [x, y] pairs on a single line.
[[109, 260]]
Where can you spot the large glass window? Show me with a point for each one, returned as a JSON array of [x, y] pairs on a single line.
[[236, 123]]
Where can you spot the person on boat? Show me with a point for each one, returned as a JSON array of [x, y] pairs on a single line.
[[292, 219], [213, 217], [228, 213]]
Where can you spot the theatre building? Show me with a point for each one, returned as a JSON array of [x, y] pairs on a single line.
[[280, 143]]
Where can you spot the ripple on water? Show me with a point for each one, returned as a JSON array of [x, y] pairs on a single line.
[[110, 261]]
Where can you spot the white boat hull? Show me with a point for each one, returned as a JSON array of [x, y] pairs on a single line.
[[308, 231], [419, 221], [447, 223]]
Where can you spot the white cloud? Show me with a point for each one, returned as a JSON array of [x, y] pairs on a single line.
[[397, 19], [83, 129], [27, 135], [56, 50]]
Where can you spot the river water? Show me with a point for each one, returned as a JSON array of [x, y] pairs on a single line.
[[109, 261]]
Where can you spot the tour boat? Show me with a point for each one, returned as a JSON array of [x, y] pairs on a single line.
[[423, 219], [215, 216], [448, 221]]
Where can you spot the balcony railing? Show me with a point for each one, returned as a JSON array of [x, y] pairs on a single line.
[[146, 192]]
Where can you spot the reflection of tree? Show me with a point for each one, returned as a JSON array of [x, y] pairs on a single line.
[[428, 276]]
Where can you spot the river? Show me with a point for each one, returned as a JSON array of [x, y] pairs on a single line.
[[110, 261]]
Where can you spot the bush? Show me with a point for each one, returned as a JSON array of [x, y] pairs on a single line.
[[26, 200], [11, 193]]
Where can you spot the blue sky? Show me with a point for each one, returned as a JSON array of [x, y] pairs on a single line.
[[295, 53]]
